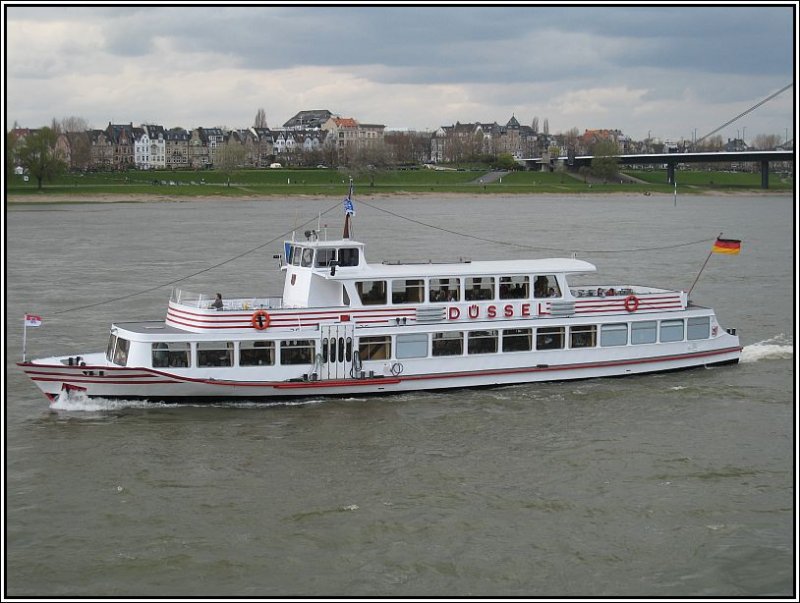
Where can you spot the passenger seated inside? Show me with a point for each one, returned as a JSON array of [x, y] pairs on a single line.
[[217, 302]]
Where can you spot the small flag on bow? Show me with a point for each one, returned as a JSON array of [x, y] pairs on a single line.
[[728, 246], [31, 320]]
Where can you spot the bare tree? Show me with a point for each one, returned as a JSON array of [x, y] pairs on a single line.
[[766, 142], [261, 119], [74, 124], [230, 156]]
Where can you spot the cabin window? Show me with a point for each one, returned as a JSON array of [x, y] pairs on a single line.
[[345, 296], [171, 354], [614, 334], [325, 257], [479, 288], [112, 343], [298, 351], [546, 286], [444, 289], [120, 351], [583, 336], [307, 257], [514, 287], [643, 332], [256, 353], [411, 291], [450, 343], [482, 342], [348, 257], [296, 255], [671, 330], [517, 340], [375, 348], [372, 293], [412, 345], [698, 328], [550, 338], [214, 353]]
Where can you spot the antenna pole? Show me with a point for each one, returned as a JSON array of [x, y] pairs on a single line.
[[708, 257], [24, 338]]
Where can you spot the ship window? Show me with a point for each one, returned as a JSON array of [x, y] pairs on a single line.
[[550, 338], [410, 291], [325, 350], [450, 343], [112, 343], [614, 334], [514, 287], [583, 336], [546, 286], [299, 351], [325, 257], [308, 257], [643, 332], [348, 257], [671, 330], [121, 351], [296, 255], [345, 296], [215, 353], [444, 289], [171, 354], [372, 293], [256, 353], [413, 345], [517, 340], [482, 342], [698, 328], [375, 348], [479, 287]]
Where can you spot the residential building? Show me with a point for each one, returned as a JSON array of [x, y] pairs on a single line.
[[308, 120], [176, 148]]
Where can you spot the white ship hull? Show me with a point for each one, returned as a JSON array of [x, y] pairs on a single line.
[[101, 381]]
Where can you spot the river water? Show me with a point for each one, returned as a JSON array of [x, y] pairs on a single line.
[[668, 485]]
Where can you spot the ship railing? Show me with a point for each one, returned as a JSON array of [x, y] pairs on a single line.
[[615, 291], [204, 301]]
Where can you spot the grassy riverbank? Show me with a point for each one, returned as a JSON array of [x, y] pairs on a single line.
[[162, 185]]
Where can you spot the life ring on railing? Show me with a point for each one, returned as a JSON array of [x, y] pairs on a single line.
[[631, 303], [260, 320]]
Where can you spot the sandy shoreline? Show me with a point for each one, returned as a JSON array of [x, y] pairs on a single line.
[[139, 198]]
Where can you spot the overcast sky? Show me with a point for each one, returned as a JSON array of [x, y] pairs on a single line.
[[676, 71]]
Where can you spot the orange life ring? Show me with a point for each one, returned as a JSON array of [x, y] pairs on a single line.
[[260, 320], [631, 303]]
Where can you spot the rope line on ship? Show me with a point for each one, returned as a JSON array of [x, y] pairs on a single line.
[[532, 247], [391, 213], [228, 261]]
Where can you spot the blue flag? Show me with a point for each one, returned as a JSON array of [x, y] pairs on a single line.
[[349, 209]]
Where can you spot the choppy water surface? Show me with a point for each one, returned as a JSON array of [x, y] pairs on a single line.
[[668, 485]]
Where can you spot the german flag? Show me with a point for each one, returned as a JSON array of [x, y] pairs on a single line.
[[729, 246]]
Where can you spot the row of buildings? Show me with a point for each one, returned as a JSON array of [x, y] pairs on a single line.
[[149, 146], [314, 137]]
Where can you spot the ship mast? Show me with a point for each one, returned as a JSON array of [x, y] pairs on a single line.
[[349, 212]]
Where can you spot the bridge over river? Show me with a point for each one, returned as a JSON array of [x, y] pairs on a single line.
[[671, 160]]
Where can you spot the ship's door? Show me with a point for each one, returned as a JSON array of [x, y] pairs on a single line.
[[337, 351]]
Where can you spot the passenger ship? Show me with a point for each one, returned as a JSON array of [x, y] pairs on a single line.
[[347, 327]]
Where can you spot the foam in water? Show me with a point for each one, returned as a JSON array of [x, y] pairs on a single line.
[[77, 402], [776, 348]]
